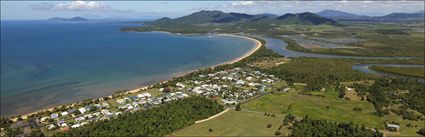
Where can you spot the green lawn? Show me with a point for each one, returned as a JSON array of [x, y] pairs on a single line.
[[234, 123], [316, 107]]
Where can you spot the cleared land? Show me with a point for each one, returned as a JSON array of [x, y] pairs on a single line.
[[415, 72], [328, 107], [234, 123]]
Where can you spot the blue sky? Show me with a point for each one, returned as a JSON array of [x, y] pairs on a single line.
[[32, 10]]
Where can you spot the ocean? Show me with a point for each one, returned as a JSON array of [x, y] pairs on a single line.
[[44, 64]]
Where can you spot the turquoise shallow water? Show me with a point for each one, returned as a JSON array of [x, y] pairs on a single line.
[[45, 64]]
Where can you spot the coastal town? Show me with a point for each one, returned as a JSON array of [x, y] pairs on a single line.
[[229, 87], [212, 68]]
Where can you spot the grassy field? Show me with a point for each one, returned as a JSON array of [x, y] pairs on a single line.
[[328, 107], [404, 130], [234, 123], [415, 72]]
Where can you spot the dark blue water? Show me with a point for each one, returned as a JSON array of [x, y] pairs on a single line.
[[45, 64]]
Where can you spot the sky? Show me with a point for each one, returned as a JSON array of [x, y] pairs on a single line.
[[36, 10]]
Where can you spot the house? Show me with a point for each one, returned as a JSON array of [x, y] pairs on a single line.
[[78, 119], [72, 110], [43, 119], [105, 105], [87, 107], [65, 113], [51, 126], [64, 125], [97, 105], [240, 82], [54, 116], [349, 89], [120, 101], [249, 78], [75, 126], [393, 127], [180, 85], [144, 95], [82, 110]]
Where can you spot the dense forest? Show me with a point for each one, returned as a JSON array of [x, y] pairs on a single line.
[[158, 121], [321, 128], [318, 73]]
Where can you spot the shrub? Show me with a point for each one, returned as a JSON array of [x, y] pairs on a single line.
[[277, 133], [269, 126], [357, 109]]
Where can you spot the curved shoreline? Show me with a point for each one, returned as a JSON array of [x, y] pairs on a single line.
[[256, 46]]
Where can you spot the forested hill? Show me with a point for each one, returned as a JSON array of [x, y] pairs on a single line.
[[205, 17]]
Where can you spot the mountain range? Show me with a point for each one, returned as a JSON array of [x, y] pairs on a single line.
[[67, 19], [340, 15], [219, 17]]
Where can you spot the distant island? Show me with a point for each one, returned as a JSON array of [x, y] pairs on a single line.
[[67, 19]]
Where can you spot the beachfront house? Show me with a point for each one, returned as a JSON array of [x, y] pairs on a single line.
[[144, 95], [120, 101]]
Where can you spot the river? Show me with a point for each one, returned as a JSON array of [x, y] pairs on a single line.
[[279, 46]]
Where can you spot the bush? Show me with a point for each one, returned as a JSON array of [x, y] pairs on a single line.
[[421, 131], [280, 127], [210, 130], [357, 109], [269, 126], [238, 107], [277, 133]]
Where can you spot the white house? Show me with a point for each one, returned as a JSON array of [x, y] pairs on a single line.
[[393, 127], [240, 82], [82, 110], [249, 78], [55, 115], [51, 126], [121, 101], [75, 126], [64, 113], [43, 119], [64, 125]]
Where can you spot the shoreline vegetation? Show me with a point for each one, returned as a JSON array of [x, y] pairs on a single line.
[[404, 71], [258, 44]]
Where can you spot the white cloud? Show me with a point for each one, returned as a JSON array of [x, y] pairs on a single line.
[[78, 5], [82, 6], [242, 3]]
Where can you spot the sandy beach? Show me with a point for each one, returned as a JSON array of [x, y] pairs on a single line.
[[256, 46]]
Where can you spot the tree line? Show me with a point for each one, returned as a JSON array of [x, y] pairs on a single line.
[[158, 121]]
